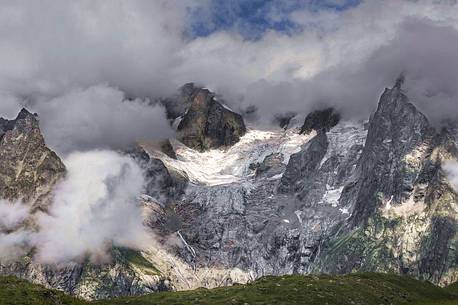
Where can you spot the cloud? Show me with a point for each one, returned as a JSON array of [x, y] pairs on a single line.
[[340, 58], [99, 117], [12, 214], [13, 245], [49, 47], [51, 50], [93, 209], [13, 241], [451, 170], [9, 105]]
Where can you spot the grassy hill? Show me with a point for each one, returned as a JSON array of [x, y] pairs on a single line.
[[364, 289]]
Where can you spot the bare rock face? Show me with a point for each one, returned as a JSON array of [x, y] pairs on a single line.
[[162, 184], [208, 124], [177, 105], [303, 164], [202, 122], [320, 120], [28, 168], [398, 137], [404, 211]]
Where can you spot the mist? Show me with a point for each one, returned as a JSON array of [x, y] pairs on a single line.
[[13, 243], [100, 117], [451, 170], [93, 209]]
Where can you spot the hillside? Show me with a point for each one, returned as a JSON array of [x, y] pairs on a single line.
[[367, 289]]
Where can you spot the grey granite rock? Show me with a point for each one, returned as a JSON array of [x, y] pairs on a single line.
[[208, 124], [28, 168]]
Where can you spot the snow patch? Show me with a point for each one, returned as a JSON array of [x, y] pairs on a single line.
[[224, 166]]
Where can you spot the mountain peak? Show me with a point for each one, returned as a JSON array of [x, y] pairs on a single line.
[[399, 81], [23, 151], [209, 124], [24, 113], [396, 131]]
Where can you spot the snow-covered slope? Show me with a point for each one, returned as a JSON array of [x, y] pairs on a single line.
[[229, 165]]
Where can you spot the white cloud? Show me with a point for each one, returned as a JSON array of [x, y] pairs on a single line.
[[99, 117], [94, 208], [12, 214], [13, 245], [451, 169], [52, 48]]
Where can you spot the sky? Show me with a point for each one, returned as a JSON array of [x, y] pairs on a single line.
[[93, 71], [252, 19], [78, 64]]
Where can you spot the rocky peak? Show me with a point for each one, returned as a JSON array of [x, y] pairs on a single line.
[[177, 105], [208, 124], [399, 137], [28, 168], [24, 120], [320, 120]]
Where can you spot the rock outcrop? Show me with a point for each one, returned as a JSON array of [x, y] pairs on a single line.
[[28, 168], [208, 124], [162, 184], [320, 120], [177, 105], [303, 164], [398, 142], [405, 212]]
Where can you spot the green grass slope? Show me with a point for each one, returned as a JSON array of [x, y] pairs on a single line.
[[364, 289], [14, 291]]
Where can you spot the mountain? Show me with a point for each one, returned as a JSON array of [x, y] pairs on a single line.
[[28, 168], [28, 171], [230, 204], [204, 123]]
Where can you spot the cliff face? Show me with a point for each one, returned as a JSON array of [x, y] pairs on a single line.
[[395, 156], [208, 124], [202, 121], [405, 211], [28, 168]]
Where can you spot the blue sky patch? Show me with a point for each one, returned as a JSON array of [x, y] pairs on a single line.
[[252, 18]]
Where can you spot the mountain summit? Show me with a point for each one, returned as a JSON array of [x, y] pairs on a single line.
[[204, 122], [28, 168]]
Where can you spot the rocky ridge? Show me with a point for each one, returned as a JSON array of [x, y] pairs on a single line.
[[28, 168]]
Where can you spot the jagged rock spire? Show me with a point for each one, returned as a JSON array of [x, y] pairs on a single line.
[[396, 129], [400, 81], [28, 168]]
